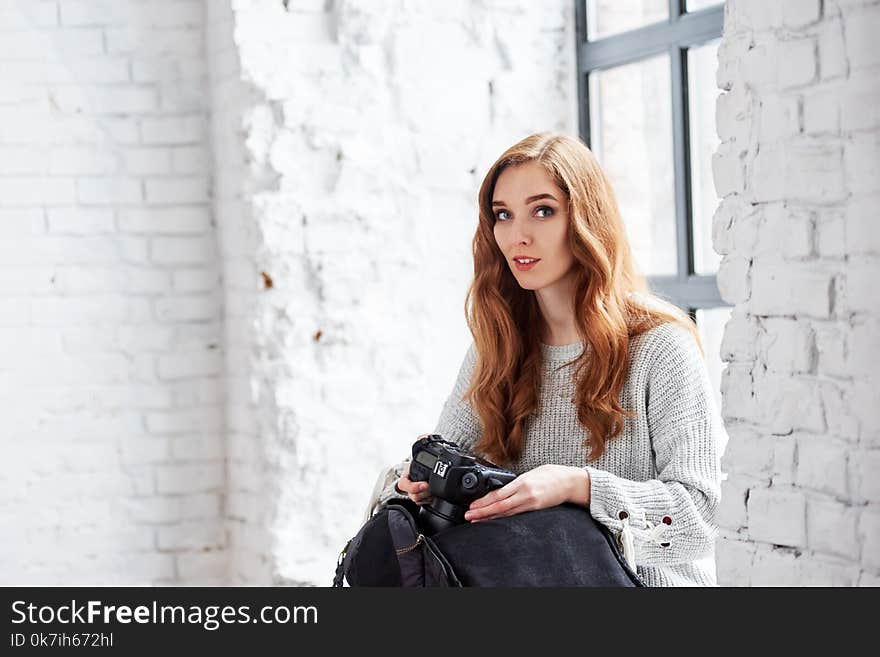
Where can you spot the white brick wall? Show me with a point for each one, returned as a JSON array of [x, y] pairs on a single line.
[[798, 169], [245, 513], [111, 344], [349, 143]]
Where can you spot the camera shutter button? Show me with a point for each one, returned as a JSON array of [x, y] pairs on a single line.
[[469, 480]]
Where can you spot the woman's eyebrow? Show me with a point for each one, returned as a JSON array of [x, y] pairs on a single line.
[[530, 199]]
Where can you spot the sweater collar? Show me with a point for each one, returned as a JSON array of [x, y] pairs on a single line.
[[561, 353]]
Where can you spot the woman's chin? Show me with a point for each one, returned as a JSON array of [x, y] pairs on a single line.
[[527, 284]]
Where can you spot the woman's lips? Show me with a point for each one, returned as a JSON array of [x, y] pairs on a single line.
[[526, 266]]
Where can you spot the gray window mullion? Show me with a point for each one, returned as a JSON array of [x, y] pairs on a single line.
[[583, 83], [680, 150], [650, 40], [695, 292]]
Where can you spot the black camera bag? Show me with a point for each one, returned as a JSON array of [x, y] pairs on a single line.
[[559, 546], [390, 550]]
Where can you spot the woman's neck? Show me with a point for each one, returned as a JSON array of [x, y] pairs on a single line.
[[557, 311], [557, 335]]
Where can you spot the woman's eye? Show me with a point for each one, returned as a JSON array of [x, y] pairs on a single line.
[[502, 215], [546, 209]]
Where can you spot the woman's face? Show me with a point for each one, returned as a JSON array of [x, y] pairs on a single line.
[[531, 225]]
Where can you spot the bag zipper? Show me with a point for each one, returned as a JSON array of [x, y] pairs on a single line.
[[419, 540], [443, 561]]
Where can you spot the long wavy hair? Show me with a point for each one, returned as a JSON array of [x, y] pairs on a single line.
[[506, 322]]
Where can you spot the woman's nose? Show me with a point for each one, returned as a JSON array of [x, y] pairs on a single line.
[[521, 234]]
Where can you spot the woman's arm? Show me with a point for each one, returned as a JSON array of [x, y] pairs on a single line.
[[458, 421], [672, 517]]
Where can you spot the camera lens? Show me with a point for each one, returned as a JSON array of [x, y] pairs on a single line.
[[469, 480]]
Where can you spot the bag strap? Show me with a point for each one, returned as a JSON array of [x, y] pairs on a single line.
[[340, 573]]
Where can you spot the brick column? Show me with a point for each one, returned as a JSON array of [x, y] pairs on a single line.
[[798, 169]]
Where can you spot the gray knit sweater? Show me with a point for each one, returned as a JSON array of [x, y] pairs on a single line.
[[662, 472]]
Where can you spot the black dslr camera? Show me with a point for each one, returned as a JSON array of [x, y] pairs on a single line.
[[455, 479]]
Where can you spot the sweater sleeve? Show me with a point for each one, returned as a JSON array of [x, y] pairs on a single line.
[[457, 423], [672, 517]]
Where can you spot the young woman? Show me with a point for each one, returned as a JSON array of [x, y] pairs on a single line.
[[590, 388]]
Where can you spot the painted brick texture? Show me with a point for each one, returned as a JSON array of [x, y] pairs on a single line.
[[111, 345], [797, 226], [350, 140]]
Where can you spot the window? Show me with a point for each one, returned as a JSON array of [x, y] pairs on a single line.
[[646, 85]]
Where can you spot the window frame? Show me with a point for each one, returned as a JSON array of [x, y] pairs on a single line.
[[682, 30]]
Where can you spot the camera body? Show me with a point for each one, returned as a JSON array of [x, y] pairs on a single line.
[[455, 479]]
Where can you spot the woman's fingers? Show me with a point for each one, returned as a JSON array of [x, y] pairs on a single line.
[[501, 507], [418, 491], [407, 485], [514, 507], [500, 500], [496, 495]]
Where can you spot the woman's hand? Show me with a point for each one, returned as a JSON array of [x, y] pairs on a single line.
[[541, 488], [416, 490]]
